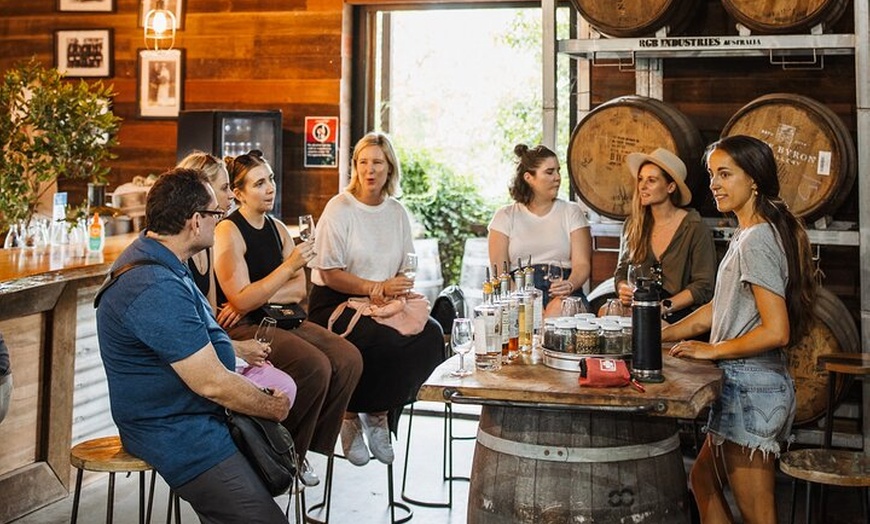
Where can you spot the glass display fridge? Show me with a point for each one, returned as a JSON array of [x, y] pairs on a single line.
[[232, 133]]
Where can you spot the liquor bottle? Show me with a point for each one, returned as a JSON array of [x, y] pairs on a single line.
[[504, 281], [519, 276], [496, 289], [537, 316], [487, 288]]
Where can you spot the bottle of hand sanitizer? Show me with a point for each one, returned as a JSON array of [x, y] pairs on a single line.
[[96, 234]]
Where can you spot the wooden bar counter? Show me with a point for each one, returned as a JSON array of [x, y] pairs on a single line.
[[550, 451], [39, 300]]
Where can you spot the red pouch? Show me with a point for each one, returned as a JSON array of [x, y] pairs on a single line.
[[603, 372]]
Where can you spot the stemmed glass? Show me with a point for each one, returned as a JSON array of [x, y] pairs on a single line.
[[635, 275], [554, 273], [306, 227], [409, 266], [266, 331], [614, 308], [461, 338]]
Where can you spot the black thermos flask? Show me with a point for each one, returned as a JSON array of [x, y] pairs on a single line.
[[646, 332]]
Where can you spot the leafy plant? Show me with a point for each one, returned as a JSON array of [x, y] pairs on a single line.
[[447, 205], [49, 128]]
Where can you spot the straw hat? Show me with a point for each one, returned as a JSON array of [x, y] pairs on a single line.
[[669, 162]]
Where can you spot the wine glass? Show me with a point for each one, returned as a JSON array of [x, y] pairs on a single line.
[[306, 227], [409, 266], [554, 272], [266, 331], [572, 306], [614, 308], [636, 275], [461, 337]]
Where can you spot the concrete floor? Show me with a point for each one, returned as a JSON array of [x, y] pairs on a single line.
[[360, 493]]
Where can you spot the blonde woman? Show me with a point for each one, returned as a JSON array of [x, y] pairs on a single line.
[[667, 240], [362, 238]]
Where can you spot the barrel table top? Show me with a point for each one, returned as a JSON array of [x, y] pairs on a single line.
[[689, 386]]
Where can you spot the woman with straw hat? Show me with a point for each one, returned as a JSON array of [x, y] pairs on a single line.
[[663, 238]]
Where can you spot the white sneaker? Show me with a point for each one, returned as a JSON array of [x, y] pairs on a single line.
[[378, 434], [352, 443]]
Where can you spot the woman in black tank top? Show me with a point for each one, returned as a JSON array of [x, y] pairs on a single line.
[[256, 262]]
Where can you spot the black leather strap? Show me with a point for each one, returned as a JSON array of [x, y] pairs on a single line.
[[113, 276]]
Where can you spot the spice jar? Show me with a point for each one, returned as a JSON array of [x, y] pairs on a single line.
[[586, 338], [563, 337], [611, 339], [625, 324], [549, 333]]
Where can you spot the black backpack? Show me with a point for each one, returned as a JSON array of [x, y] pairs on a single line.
[[449, 305]]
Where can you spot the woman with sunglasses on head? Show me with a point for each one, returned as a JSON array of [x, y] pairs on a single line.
[[763, 302], [257, 262], [251, 360], [362, 239], [544, 227], [668, 241]]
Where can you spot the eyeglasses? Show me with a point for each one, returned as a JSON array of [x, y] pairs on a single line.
[[217, 213]]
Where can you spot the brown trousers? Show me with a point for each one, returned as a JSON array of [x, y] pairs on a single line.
[[326, 369]]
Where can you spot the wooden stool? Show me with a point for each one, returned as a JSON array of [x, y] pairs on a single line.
[[826, 466], [106, 455]]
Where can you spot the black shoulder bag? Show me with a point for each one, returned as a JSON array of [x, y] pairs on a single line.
[[269, 448], [287, 316], [266, 444]]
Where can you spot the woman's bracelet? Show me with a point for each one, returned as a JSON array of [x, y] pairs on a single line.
[[572, 286]]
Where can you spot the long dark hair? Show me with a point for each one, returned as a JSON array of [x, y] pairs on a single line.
[[756, 159]]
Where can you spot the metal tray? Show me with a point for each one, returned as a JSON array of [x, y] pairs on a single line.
[[571, 361]]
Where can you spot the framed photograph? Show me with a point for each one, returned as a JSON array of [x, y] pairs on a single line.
[[160, 90], [84, 52], [81, 6], [175, 6]]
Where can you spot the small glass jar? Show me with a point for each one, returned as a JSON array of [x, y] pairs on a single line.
[[549, 333], [611, 339], [625, 324], [586, 338], [563, 337]]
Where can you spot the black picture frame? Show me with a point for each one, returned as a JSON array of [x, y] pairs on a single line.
[[84, 53], [86, 6], [160, 83]]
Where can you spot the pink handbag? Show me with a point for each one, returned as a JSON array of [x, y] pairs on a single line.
[[407, 315]]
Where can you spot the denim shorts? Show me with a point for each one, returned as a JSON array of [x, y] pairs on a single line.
[[757, 405]]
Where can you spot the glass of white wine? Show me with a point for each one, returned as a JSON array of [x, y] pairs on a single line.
[[306, 227], [409, 266], [461, 338], [266, 331]]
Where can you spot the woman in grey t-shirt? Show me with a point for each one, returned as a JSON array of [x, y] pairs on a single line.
[[762, 300]]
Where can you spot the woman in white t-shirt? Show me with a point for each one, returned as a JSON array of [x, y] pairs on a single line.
[[544, 227], [361, 242]]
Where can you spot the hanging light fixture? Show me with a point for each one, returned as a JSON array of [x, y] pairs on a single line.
[[160, 26]]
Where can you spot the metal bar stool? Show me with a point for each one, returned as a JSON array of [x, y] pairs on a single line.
[[326, 503], [106, 455], [446, 459], [826, 466]]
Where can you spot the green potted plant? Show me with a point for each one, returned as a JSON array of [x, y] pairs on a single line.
[[49, 128]]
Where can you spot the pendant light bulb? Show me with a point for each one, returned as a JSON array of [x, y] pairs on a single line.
[[160, 27]]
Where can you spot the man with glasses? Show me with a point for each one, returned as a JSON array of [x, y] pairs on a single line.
[[170, 366]]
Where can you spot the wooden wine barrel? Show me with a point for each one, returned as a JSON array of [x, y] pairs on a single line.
[[785, 17], [601, 141], [628, 19], [833, 332], [534, 465], [814, 150]]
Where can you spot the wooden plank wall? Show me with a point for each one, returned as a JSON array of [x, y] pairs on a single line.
[[240, 54]]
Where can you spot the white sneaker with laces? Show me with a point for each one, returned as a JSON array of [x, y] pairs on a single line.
[[378, 434], [307, 476], [352, 443]]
